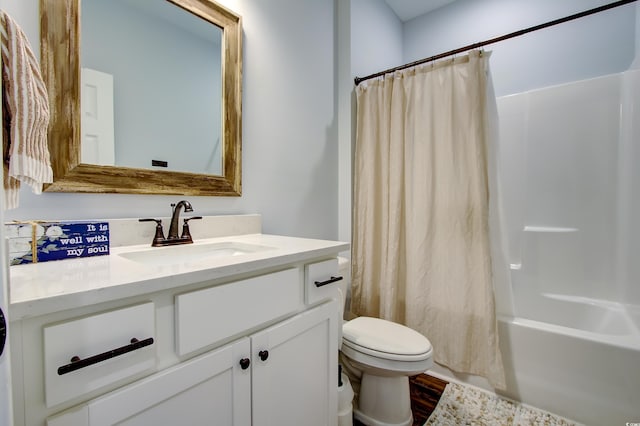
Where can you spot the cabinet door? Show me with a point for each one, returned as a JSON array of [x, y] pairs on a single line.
[[295, 381], [211, 390]]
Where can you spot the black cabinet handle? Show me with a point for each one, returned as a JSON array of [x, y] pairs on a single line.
[[3, 331], [245, 363], [77, 363], [263, 355], [329, 281]]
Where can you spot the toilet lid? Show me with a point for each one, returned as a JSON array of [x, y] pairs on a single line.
[[385, 336]]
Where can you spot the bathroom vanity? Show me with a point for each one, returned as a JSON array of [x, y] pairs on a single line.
[[235, 329]]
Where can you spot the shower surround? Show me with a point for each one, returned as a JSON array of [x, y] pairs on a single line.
[[569, 324], [570, 159]]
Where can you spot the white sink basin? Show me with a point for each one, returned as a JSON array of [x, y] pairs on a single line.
[[188, 253]]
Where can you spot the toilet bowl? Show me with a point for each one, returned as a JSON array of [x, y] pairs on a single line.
[[386, 354]]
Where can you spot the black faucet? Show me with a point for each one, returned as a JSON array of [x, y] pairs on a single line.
[[175, 216], [172, 239]]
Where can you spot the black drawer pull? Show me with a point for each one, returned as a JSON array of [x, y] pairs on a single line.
[[329, 281], [77, 363]]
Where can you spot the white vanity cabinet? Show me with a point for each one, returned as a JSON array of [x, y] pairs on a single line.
[[258, 346], [295, 370], [211, 389], [283, 375]]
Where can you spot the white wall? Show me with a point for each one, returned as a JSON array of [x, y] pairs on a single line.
[[345, 110], [588, 47], [290, 151], [636, 62], [376, 37], [374, 43]]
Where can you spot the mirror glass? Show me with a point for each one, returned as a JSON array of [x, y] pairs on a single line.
[[160, 65], [166, 78]]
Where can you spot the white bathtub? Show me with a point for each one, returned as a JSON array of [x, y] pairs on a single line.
[[576, 357], [569, 163]]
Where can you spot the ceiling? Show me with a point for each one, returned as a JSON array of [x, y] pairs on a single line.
[[409, 9]]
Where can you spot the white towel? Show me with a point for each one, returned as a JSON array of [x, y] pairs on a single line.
[[25, 115]]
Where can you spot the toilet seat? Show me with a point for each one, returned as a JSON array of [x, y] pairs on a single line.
[[386, 354], [385, 339]]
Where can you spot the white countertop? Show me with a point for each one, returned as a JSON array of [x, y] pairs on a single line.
[[42, 288]]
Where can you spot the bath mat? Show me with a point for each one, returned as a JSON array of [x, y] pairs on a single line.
[[465, 405]]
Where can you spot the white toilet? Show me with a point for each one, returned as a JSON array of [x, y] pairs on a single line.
[[386, 354]]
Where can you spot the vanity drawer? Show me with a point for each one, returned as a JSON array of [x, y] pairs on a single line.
[[204, 317], [103, 343], [321, 281]]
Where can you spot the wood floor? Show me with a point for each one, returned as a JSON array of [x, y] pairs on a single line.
[[425, 394]]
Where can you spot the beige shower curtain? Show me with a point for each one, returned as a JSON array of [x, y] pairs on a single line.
[[421, 244]]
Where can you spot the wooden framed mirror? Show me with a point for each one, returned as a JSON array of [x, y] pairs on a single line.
[[61, 69]]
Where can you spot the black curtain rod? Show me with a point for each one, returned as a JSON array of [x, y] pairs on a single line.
[[359, 80]]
